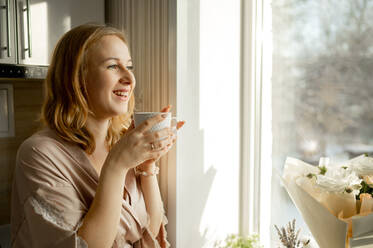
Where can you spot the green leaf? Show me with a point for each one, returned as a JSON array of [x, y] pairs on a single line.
[[365, 188], [310, 175], [322, 170], [238, 241]]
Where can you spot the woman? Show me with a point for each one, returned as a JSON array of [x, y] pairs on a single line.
[[75, 182]]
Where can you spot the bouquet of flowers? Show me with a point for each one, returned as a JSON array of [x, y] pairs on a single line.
[[335, 200]]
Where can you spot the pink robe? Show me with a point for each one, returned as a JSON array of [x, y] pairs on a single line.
[[53, 188]]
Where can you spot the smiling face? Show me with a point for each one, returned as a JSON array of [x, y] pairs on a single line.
[[109, 81]]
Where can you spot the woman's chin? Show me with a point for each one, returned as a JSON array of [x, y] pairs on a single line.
[[121, 111]]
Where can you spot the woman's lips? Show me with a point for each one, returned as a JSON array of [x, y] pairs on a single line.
[[122, 94]]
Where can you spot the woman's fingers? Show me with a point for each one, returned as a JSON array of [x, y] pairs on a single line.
[[173, 141], [149, 123], [180, 124], [166, 109], [167, 145], [156, 135], [159, 145], [156, 144]]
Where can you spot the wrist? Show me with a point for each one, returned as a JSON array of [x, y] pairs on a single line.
[[147, 171], [148, 165], [115, 165]]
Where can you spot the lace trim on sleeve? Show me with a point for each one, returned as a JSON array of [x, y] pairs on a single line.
[[49, 212], [53, 215]]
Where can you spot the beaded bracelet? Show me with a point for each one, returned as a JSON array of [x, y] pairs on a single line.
[[155, 171]]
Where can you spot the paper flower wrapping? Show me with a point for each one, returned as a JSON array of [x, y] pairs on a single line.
[[335, 200]]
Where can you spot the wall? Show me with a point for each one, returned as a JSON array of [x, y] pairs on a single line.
[[28, 95]]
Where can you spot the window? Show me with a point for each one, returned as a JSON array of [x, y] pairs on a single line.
[[316, 79]]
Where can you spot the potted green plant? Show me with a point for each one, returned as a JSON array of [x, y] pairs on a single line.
[[238, 241]]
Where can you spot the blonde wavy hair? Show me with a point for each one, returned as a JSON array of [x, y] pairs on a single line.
[[65, 108]]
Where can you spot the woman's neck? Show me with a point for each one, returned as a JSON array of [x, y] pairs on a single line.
[[99, 129]]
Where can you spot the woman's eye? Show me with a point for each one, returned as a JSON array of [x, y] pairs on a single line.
[[113, 67], [130, 67]]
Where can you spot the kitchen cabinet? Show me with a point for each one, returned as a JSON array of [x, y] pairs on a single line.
[[7, 32], [30, 29]]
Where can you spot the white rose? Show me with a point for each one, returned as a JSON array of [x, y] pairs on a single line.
[[362, 165], [339, 180]]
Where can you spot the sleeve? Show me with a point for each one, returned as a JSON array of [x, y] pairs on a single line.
[[48, 224], [52, 210], [149, 241]]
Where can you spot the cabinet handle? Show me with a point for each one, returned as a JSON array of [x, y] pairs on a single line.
[[8, 27], [6, 7], [28, 28]]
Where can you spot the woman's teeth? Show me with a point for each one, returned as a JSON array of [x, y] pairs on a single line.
[[121, 93]]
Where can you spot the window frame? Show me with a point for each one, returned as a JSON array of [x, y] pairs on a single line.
[[255, 204]]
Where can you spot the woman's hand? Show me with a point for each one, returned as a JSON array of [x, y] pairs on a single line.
[[139, 145], [144, 166], [178, 126]]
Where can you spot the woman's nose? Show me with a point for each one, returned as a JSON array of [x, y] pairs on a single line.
[[125, 80], [126, 77]]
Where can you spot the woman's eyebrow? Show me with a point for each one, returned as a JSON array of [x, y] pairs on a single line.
[[115, 58]]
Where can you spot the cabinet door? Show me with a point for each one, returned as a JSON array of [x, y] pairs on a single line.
[[41, 23], [7, 32]]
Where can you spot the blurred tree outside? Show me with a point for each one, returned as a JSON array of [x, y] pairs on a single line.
[[323, 67]]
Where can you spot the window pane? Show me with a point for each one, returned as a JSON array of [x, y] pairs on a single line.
[[322, 71]]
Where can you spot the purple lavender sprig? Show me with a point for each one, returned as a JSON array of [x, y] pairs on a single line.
[[289, 237]]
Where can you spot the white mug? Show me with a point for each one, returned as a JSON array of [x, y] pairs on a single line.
[[169, 121]]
